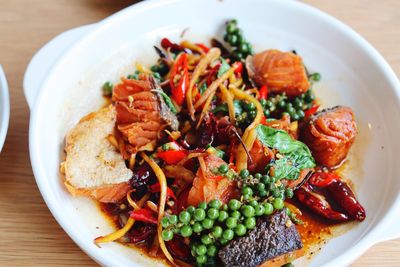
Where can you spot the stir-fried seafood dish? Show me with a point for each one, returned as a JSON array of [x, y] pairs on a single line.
[[216, 155]]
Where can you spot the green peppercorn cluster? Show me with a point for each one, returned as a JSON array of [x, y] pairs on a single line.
[[248, 114], [224, 170], [280, 104], [234, 36]]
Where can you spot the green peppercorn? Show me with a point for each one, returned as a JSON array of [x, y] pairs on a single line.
[[216, 204], [230, 28], [167, 235], [300, 113], [197, 227], [223, 215], [265, 179], [234, 204], [298, 103], [212, 250], [263, 193], [190, 209], [281, 104], [217, 231], [253, 203], [165, 147], [244, 173], [203, 205], [173, 219], [247, 211], [235, 214], [258, 175], [228, 234], [250, 223], [268, 208], [223, 168], [246, 190], [263, 102], [223, 241], [288, 193], [201, 250], [199, 214], [207, 223], [244, 48], [267, 113], [165, 222], [206, 240], [278, 203], [201, 259], [184, 217], [212, 213], [253, 114], [186, 231], [295, 117], [260, 187], [232, 39], [231, 222], [316, 76], [107, 89], [240, 230], [259, 210]]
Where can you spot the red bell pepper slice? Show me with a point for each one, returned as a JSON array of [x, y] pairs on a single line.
[[238, 67], [311, 111], [172, 156], [155, 188], [203, 47], [323, 179], [143, 215], [179, 79], [263, 92]]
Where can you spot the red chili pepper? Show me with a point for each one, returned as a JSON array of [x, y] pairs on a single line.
[[319, 205], [212, 72], [263, 92], [179, 79], [238, 67], [143, 215], [344, 196], [263, 120], [155, 188], [311, 111], [172, 156], [203, 47], [323, 179], [166, 43]]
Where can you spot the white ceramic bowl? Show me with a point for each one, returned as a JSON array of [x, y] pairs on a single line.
[[4, 107], [353, 72]]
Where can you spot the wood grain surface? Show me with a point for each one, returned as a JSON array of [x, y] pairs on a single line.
[[29, 236]]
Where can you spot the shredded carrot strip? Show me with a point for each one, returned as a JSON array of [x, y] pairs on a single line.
[[161, 206], [249, 135], [212, 55], [202, 165]]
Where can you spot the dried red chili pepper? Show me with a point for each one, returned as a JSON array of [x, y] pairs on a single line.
[[204, 47], [238, 67], [155, 188], [323, 179], [166, 43]]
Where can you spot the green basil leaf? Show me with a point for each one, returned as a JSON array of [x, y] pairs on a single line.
[[223, 68], [296, 155]]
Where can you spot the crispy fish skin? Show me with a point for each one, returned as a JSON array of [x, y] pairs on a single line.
[[273, 236]]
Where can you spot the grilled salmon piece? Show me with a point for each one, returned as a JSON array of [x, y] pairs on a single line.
[[282, 72], [93, 167], [207, 186], [141, 113], [329, 134]]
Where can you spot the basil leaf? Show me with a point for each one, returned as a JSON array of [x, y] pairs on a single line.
[[223, 68], [224, 108], [295, 155]]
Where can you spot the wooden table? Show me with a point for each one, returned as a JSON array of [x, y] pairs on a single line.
[[29, 236]]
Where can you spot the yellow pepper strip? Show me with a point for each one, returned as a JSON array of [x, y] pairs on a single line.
[[249, 135], [229, 100], [121, 232], [213, 87], [161, 206], [212, 55], [192, 46]]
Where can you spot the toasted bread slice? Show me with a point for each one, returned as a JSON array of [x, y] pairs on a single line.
[[93, 167]]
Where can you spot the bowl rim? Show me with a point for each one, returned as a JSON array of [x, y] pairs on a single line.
[[372, 236], [4, 107]]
